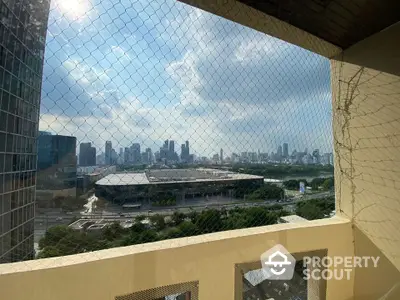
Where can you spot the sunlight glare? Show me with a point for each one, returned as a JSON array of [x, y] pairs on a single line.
[[74, 9]]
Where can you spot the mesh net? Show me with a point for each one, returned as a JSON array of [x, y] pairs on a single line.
[[157, 120]]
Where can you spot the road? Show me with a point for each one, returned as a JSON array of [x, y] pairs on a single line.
[[44, 221]]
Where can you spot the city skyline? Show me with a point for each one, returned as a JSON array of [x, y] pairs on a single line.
[[134, 155]]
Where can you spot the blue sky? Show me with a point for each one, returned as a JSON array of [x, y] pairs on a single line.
[[137, 71]]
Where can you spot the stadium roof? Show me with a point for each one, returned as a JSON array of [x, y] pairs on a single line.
[[142, 179]]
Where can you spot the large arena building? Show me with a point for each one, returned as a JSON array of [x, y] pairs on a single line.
[[179, 184]]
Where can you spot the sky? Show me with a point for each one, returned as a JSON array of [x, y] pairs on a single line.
[[146, 71]]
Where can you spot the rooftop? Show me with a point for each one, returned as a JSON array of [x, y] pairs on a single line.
[[173, 176], [292, 219]]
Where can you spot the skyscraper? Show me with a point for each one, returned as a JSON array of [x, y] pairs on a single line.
[[185, 152], [87, 155], [279, 153], [56, 162], [23, 26], [171, 147], [221, 155], [136, 156], [285, 150], [149, 155], [183, 147], [108, 153], [127, 155]]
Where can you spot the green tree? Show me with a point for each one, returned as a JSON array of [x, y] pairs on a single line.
[[140, 218], [291, 184], [328, 184], [234, 221], [258, 216], [158, 222], [49, 251], [209, 221], [309, 210], [316, 183], [172, 233], [53, 235], [177, 218], [113, 231], [267, 192], [138, 227], [148, 236], [188, 228], [193, 216]]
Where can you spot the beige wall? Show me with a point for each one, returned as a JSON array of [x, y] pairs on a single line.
[[209, 259], [366, 106]]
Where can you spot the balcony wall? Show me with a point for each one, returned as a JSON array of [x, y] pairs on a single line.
[[366, 106], [208, 259]]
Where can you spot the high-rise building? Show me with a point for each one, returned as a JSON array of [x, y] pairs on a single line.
[[285, 150], [56, 162], [171, 147], [108, 153], [316, 157], [136, 156], [221, 155], [149, 155], [185, 152], [126, 155], [114, 157], [87, 155], [279, 153], [23, 26]]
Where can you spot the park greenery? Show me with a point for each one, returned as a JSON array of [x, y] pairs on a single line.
[[266, 192], [315, 208], [282, 170], [62, 240]]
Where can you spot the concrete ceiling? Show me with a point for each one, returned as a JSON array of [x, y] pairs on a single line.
[[340, 22]]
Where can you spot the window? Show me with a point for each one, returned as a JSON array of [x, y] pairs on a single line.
[[6, 81], [2, 163], [3, 121], [10, 143], [5, 101]]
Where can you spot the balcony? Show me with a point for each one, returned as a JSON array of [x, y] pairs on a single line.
[[209, 266], [366, 107]]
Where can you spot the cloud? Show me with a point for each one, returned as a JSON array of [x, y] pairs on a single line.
[[145, 72]]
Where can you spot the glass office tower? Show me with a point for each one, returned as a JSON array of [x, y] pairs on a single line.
[[23, 25]]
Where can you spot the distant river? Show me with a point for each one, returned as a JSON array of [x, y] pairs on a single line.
[[308, 178]]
